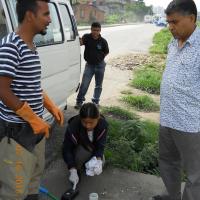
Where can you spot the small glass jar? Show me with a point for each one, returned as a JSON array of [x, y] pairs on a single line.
[[93, 196]]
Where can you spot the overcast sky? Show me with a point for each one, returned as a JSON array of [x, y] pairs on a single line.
[[164, 3]]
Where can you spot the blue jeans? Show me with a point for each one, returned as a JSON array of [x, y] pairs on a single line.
[[90, 71]]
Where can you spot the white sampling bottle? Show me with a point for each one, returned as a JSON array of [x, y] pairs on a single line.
[[93, 196]]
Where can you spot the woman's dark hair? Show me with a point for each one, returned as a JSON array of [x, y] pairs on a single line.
[[184, 7], [96, 25], [23, 6], [89, 110]]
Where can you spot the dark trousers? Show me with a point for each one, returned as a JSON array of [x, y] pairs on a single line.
[[98, 72], [180, 150]]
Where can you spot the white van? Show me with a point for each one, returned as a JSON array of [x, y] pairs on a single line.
[[59, 49]]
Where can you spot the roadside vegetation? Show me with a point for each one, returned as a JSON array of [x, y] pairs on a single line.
[[160, 42], [131, 143], [134, 12], [148, 78], [141, 103], [120, 113]]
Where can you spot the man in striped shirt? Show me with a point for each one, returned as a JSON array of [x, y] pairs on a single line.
[[22, 102]]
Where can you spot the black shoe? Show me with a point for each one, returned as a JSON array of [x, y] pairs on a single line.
[[160, 197], [32, 197], [78, 106]]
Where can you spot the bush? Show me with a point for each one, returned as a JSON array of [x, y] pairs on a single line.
[[112, 19], [147, 79], [160, 42], [143, 103], [151, 131], [129, 145]]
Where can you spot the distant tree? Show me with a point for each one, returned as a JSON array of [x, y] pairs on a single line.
[[138, 9]]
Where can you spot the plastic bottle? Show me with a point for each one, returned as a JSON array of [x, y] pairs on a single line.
[[93, 196]]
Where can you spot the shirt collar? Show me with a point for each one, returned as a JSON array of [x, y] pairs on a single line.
[[191, 40]]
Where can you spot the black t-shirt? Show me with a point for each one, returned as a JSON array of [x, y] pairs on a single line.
[[95, 49]]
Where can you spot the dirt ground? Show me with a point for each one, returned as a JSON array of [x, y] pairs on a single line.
[[119, 72]]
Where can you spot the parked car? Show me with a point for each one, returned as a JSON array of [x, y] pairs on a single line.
[[59, 49], [161, 22]]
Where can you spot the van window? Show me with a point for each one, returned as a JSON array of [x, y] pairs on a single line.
[[54, 31], [3, 25], [67, 22]]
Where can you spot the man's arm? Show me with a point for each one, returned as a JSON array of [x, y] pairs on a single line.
[[81, 41], [7, 95], [21, 108], [53, 109], [106, 48]]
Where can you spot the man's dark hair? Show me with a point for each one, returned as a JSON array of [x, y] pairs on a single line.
[[96, 25], [89, 110], [184, 7], [23, 6]]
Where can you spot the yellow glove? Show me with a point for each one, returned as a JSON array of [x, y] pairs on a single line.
[[53, 109], [38, 125]]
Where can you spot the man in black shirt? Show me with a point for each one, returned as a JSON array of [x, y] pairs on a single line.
[[96, 48]]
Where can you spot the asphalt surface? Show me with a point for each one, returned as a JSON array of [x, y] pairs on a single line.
[[112, 184]]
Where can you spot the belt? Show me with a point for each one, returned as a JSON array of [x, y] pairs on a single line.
[[22, 133]]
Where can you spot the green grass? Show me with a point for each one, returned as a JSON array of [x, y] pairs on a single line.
[[151, 130], [132, 144], [160, 42], [141, 103], [119, 113], [147, 79]]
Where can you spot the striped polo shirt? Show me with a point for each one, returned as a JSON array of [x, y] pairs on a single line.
[[23, 66]]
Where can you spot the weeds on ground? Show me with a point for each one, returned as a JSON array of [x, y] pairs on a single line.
[[132, 144], [148, 79], [117, 112], [141, 103], [160, 42]]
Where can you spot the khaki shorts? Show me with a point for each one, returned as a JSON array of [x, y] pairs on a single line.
[[20, 167]]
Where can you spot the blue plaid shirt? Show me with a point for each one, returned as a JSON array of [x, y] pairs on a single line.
[[180, 87]]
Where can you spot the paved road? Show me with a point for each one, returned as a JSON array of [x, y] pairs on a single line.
[[122, 40], [129, 38]]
